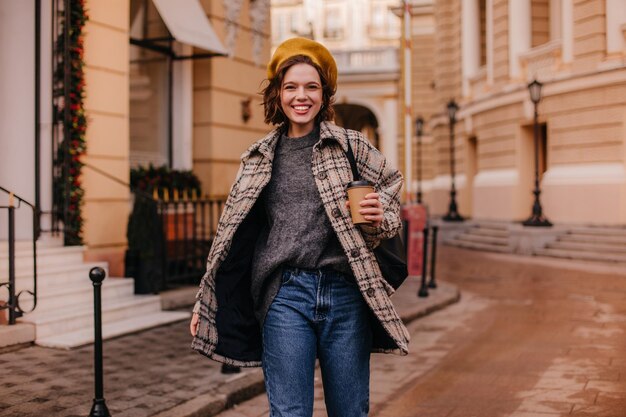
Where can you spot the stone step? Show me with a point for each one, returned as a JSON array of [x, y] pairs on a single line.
[[16, 334], [25, 249], [55, 298], [588, 247], [85, 336], [599, 231], [56, 275], [488, 232], [73, 318], [478, 246], [493, 240], [493, 226], [602, 239], [582, 255], [64, 255], [28, 244]]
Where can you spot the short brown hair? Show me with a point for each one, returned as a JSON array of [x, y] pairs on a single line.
[[271, 93]]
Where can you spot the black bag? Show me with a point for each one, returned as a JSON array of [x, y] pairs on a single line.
[[390, 253]]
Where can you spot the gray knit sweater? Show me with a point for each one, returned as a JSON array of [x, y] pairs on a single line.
[[299, 233]]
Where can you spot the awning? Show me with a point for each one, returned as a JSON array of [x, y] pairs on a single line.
[[187, 22]]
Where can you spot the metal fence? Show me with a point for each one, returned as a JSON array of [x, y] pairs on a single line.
[[189, 227]]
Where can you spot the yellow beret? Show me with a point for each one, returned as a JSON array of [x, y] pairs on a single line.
[[303, 46]]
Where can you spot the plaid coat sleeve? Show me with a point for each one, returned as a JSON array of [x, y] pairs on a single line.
[[387, 182]]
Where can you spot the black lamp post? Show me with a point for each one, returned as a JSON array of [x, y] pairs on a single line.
[[453, 212], [537, 218], [419, 128]]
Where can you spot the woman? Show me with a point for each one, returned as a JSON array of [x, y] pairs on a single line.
[[289, 277]]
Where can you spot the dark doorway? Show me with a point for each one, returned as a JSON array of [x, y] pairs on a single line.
[[356, 117]]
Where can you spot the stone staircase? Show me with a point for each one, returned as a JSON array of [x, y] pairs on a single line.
[[63, 317], [484, 236], [589, 244]]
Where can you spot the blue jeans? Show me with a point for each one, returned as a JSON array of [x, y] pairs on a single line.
[[317, 314]]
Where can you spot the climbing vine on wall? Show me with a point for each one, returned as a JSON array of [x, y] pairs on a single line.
[[68, 189]]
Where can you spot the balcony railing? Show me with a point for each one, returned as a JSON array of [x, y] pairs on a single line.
[[367, 61], [542, 62]]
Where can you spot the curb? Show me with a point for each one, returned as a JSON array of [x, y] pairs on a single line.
[[239, 388], [249, 384], [437, 300]]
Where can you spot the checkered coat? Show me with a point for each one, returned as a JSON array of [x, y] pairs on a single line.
[[227, 331]]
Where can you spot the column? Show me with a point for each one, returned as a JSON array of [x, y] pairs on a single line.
[[555, 19], [615, 18], [183, 111], [389, 128], [520, 34], [470, 41], [489, 34], [567, 30]]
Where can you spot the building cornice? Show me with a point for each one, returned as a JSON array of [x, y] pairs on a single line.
[[569, 83]]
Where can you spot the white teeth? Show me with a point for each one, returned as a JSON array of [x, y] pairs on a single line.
[[301, 108]]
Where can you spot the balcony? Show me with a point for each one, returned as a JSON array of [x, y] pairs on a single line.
[[367, 61], [542, 62]]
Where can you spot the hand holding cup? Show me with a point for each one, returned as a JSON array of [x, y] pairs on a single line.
[[364, 204]]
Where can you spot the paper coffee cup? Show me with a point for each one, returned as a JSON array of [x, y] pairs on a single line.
[[357, 190]]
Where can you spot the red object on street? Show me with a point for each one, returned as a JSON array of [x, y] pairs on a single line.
[[416, 216]]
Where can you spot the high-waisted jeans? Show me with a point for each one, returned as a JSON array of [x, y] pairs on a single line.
[[317, 314]]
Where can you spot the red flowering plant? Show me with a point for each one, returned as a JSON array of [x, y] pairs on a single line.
[[164, 181], [67, 185]]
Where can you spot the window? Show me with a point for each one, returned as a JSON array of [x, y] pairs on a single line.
[[280, 28], [333, 22], [383, 23], [540, 12], [482, 10]]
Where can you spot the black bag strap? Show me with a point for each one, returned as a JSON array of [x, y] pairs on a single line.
[[350, 155]]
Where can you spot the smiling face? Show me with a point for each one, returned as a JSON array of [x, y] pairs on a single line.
[[301, 98]]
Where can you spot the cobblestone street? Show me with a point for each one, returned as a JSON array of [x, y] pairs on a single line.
[[152, 370], [147, 373], [530, 338]]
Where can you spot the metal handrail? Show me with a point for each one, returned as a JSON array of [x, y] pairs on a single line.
[[113, 178], [13, 304]]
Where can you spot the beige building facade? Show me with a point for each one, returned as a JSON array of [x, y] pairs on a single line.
[[216, 111], [484, 53]]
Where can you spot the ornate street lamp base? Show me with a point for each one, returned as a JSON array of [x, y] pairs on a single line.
[[453, 216], [537, 221]]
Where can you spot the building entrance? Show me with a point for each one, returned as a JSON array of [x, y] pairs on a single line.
[[357, 117]]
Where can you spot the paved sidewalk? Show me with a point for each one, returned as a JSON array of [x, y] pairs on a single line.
[[150, 373], [550, 341], [530, 338], [390, 374]]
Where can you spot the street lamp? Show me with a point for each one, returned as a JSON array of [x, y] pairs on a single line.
[[419, 128], [453, 213], [537, 218]]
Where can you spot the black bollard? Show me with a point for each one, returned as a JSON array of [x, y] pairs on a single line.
[[423, 292], [99, 407], [433, 257]]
